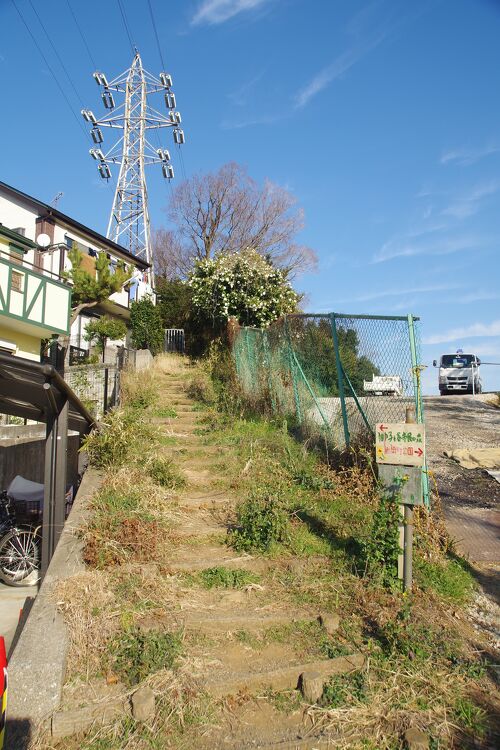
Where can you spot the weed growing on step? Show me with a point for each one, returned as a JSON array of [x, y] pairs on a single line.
[[139, 389], [164, 472], [167, 412], [122, 435], [226, 578], [135, 655], [200, 389], [262, 521], [285, 701], [345, 690]]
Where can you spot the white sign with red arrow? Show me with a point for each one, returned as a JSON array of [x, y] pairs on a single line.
[[401, 444]]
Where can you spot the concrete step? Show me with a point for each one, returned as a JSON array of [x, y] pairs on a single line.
[[280, 678]]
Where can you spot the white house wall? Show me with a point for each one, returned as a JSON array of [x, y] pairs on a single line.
[[13, 215]]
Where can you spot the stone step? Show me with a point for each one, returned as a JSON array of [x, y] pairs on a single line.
[[206, 503], [188, 450], [213, 621], [281, 678], [206, 499], [260, 724], [198, 476], [195, 558], [198, 529], [304, 743]]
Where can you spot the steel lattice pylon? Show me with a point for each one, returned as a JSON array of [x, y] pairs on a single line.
[[129, 219]]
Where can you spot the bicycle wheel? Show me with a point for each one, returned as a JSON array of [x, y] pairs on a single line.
[[20, 557]]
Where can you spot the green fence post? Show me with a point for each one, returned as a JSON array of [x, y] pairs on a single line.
[[356, 401], [340, 378], [292, 372], [267, 365], [419, 407]]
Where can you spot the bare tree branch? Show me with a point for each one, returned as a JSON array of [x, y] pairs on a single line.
[[227, 212]]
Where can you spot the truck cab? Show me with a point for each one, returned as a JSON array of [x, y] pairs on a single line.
[[459, 373]]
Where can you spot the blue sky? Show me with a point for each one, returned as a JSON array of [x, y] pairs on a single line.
[[382, 117]]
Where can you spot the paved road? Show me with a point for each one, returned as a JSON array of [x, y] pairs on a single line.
[[12, 600], [470, 497]]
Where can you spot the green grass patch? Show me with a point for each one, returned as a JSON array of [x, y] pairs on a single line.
[[134, 654], [164, 472], [262, 521], [345, 689], [449, 579], [168, 412], [226, 578], [470, 717]]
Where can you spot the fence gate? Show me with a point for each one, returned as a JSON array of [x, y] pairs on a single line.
[[174, 340], [336, 374]]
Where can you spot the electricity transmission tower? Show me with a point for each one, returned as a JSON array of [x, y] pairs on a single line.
[[135, 118]]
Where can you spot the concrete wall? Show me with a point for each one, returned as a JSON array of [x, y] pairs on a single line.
[[22, 451], [141, 359]]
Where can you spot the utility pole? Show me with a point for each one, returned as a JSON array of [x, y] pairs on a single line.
[[129, 223]]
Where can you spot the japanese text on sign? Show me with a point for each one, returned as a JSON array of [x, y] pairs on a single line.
[[402, 444]]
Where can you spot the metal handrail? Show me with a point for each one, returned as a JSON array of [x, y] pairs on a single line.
[[42, 271]]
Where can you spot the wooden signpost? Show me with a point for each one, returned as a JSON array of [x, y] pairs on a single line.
[[400, 455]]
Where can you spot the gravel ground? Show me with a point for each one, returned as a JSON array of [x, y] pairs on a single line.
[[470, 497], [454, 422]]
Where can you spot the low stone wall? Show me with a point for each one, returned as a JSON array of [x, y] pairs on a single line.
[[37, 667]]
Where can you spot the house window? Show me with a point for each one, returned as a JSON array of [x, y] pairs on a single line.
[[69, 241], [17, 280]]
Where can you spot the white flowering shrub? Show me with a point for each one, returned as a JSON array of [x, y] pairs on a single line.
[[243, 284]]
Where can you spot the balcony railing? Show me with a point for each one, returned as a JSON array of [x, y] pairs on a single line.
[[34, 297]]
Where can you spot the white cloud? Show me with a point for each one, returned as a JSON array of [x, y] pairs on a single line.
[[238, 124], [476, 330], [240, 96], [335, 70], [466, 156], [402, 292], [478, 296], [218, 11], [469, 203], [420, 245], [366, 32]]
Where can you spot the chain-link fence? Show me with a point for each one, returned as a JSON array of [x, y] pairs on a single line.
[[97, 386], [336, 375]]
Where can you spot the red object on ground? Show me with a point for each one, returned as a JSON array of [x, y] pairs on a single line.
[[3, 665]]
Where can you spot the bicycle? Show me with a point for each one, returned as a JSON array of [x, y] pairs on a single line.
[[20, 544]]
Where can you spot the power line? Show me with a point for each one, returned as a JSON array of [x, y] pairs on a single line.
[[63, 93], [124, 18], [54, 48], [94, 66], [156, 34]]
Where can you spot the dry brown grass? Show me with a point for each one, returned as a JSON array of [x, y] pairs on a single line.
[[91, 612], [170, 364]]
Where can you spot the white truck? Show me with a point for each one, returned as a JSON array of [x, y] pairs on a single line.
[[459, 373], [384, 385]]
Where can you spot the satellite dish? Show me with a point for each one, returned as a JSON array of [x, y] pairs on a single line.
[[43, 240]]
